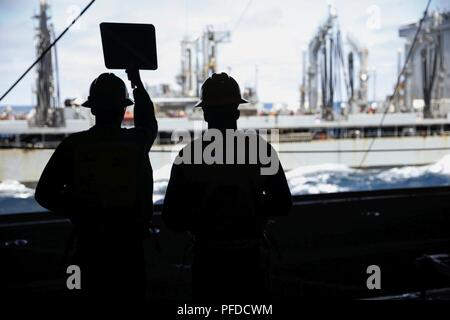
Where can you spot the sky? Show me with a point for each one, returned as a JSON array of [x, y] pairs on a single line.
[[266, 35]]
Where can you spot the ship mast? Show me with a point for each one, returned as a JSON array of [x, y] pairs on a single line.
[[47, 112], [360, 97]]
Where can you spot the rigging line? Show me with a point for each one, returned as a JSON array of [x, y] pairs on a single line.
[[46, 50], [397, 85], [238, 22]]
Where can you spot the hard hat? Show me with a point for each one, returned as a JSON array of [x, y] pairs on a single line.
[[106, 89], [220, 89]]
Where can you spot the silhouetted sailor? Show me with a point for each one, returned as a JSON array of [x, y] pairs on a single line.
[[102, 180], [222, 189]]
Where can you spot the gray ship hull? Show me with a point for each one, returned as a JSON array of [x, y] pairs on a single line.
[[404, 139], [26, 165]]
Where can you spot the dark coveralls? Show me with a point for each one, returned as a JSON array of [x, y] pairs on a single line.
[[102, 180], [225, 207]]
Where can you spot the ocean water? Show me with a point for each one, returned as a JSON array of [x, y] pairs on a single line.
[[17, 198], [323, 178]]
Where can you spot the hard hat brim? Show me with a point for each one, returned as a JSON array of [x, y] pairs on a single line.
[[88, 103], [202, 104]]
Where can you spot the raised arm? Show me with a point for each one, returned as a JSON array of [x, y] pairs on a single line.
[[144, 112]]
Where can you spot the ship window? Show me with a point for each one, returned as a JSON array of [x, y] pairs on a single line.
[[389, 131], [354, 133], [370, 132], [407, 131], [423, 131], [436, 130]]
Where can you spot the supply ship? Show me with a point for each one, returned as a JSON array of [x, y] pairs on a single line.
[[355, 132]]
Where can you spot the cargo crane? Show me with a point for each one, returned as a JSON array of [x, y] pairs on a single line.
[[358, 97], [316, 44], [188, 77], [425, 80], [326, 61], [432, 65], [303, 85], [199, 59]]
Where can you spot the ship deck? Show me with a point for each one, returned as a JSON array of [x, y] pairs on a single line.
[[324, 248], [167, 124]]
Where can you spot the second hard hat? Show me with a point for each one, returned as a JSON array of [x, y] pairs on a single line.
[[220, 89]]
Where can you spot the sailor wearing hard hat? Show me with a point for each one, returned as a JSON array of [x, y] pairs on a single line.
[[225, 206], [101, 179]]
